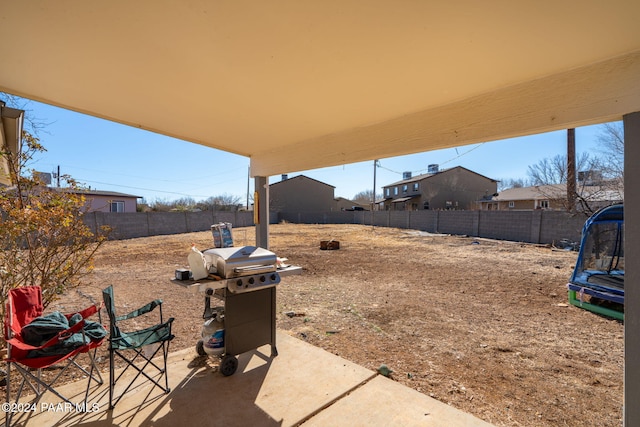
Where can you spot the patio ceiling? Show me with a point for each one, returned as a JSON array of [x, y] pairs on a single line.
[[297, 85]]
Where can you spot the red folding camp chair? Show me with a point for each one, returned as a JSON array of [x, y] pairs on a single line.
[[61, 347]]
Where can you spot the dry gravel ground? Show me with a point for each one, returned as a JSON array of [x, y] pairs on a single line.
[[479, 324]]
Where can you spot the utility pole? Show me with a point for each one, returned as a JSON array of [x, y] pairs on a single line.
[[571, 170], [56, 175]]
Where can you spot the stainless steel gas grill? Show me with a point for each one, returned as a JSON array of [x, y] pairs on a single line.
[[243, 280], [245, 269]]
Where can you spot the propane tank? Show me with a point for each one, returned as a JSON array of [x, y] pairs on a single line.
[[213, 335]]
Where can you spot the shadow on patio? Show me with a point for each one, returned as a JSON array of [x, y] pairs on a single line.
[[303, 385]]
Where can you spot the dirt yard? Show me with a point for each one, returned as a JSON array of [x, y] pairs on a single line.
[[479, 324]]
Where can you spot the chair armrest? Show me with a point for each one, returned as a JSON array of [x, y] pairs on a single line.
[[136, 339], [87, 312], [140, 311]]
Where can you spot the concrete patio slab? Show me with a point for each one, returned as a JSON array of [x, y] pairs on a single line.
[[303, 385], [384, 402]]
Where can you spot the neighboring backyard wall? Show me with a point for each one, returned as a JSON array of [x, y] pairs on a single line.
[[130, 225], [533, 226], [537, 226]]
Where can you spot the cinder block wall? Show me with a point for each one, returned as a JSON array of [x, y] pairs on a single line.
[[457, 222], [143, 224], [506, 225], [536, 226], [558, 226]]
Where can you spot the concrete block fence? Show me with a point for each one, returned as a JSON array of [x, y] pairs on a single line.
[[537, 226]]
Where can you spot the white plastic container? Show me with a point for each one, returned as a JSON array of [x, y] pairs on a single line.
[[197, 264]]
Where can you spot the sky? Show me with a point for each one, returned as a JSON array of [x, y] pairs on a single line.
[[109, 156]]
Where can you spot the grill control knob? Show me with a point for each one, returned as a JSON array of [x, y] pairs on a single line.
[[251, 280], [263, 279], [239, 282]]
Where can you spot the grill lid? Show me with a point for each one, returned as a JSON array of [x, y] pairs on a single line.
[[240, 261]]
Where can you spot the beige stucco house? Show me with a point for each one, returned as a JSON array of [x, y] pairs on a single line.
[[537, 197], [456, 188], [553, 197]]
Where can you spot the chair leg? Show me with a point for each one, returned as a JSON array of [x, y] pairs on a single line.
[[39, 382], [25, 380], [162, 349], [165, 350], [8, 394], [99, 381], [35, 382], [111, 376], [28, 377]]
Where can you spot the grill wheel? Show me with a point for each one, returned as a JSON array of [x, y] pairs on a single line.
[[228, 365]]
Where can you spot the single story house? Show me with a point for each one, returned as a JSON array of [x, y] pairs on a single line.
[[553, 197], [343, 204], [110, 201]]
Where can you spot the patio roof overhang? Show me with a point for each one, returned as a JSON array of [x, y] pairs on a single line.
[[296, 86], [403, 199]]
